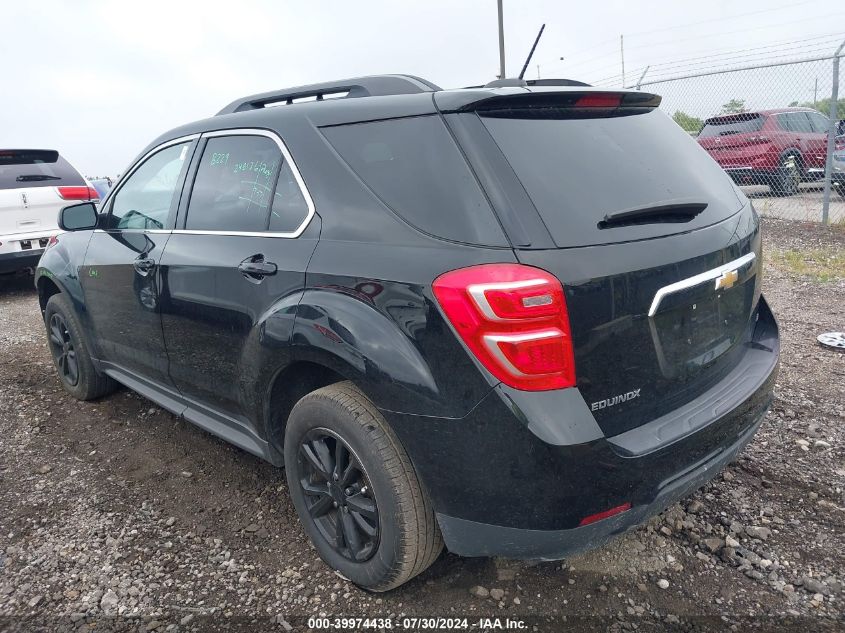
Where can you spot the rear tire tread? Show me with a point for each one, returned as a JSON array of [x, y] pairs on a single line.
[[422, 539]]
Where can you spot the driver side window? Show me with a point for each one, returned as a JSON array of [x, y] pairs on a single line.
[[145, 199]]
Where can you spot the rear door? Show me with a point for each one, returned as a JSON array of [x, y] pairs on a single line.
[[657, 253], [244, 240], [34, 185]]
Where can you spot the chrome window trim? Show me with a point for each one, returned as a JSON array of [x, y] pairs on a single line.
[[309, 202], [141, 161], [696, 280]]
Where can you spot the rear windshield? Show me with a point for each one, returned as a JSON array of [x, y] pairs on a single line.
[[579, 170], [737, 124], [415, 168], [35, 168]]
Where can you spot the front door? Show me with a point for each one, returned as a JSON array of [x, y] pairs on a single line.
[[240, 253], [120, 275]]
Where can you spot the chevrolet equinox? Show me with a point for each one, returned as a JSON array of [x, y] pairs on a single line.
[[514, 320]]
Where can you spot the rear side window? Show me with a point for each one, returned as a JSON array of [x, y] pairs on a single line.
[[579, 170], [21, 168], [415, 168], [797, 122], [146, 197], [233, 188], [734, 124], [820, 123]]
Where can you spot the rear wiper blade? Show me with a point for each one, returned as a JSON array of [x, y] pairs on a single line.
[[665, 212], [35, 177]]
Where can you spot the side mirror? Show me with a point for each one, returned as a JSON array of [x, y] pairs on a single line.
[[78, 217]]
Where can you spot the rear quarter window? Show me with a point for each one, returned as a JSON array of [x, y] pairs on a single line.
[[414, 166], [36, 168]]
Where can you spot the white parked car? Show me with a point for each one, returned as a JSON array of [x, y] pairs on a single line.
[[34, 185]]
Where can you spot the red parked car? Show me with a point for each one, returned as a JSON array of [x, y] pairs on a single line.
[[778, 148]]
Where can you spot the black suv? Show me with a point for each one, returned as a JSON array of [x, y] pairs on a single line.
[[514, 320]]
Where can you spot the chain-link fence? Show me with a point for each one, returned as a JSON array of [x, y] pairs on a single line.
[[769, 126]]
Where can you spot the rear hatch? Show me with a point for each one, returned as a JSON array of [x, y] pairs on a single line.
[[734, 140], [34, 185], [657, 250]]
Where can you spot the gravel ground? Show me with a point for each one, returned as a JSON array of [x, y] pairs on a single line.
[[115, 515]]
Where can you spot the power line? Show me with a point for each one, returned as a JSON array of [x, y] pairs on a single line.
[[727, 67], [681, 26], [708, 36], [794, 51], [716, 53]]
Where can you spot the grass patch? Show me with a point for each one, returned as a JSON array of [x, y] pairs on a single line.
[[820, 264]]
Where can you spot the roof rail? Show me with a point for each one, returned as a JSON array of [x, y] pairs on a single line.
[[372, 86]]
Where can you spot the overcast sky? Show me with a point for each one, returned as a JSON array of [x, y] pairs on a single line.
[[99, 80]]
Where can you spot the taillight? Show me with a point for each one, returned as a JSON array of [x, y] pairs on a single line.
[[514, 319], [78, 193], [599, 100], [52, 242]]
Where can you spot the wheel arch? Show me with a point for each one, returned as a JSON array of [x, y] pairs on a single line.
[[47, 287], [288, 387]]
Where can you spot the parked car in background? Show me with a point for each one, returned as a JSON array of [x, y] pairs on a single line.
[[436, 315], [34, 185], [839, 165], [103, 186], [778, 148]]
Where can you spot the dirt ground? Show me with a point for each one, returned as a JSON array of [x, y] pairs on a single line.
[[115, 515]]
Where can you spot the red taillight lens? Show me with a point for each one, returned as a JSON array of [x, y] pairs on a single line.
[[606, 514], [514, 319], [52, 242], [78, 193], [599, 100]]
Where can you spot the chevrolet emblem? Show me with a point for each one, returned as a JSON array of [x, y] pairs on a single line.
[[727, 279]]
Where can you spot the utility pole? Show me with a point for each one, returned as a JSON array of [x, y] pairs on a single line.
[[816, 95], [622, 54], [831, 135], [538, 71], [501, 42]]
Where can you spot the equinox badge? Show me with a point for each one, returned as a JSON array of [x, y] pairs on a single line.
[[609, 402]]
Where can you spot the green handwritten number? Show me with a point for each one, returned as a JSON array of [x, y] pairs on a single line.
[[219, 158]]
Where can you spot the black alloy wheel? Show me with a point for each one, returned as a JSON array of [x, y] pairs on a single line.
[[63, 348], [338, 495]]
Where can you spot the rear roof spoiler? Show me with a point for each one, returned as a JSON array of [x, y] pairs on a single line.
[[372, 86], [485, 100]]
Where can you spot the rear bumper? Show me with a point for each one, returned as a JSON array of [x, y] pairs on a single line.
[[517, 475], [19, 260], [470, 538], [753, 175]]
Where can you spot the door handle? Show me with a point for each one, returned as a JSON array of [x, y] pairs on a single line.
[[143, 265], [256, 268]]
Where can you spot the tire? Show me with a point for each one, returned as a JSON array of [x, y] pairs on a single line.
[[786, 181], [68, 346], [384, 495]]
